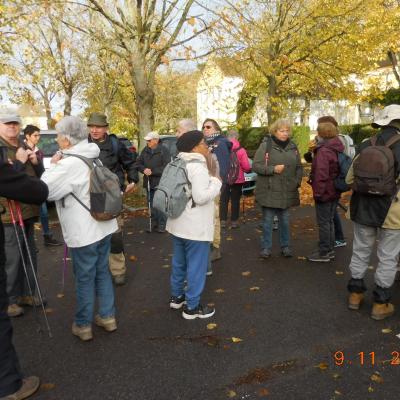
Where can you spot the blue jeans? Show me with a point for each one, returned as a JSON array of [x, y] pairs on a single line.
[[93, 279], [44, 219], [338, 226], [189, 262], [268, 219]]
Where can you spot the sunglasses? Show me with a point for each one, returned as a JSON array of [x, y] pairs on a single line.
[[207, 126]]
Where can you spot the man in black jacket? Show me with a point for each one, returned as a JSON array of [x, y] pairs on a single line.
[[151, 163], [118, 159], [21, 187]]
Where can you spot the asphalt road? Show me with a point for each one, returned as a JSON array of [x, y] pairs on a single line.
[[278, 324]]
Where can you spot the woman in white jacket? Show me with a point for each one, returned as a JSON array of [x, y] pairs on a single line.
[[88, 239], [193, 230]]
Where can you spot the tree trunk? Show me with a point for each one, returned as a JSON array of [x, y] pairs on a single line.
[[68, 101], [272, 99], [393, 59], [47, 107], [305, 113]]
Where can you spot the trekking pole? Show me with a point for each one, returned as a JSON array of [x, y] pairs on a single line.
[[14, 222], [22, 225], [342, 206], [149, 202]]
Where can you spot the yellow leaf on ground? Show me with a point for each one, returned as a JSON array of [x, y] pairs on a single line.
[[211, 326], [338, 393], [236, 340], [49, 310], [229, 238], [133, 258], [335, 376], [322, 366], [301, 258], [211, 304], [231, 394], [386, 330], [246, 273], [370, 389], [60, 295], [263, 392], [376, 378], [254, 288], [339, 272], [47, 386], [165, 266], [219, 291]]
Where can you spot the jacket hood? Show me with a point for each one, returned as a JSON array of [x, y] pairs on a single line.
[[334, 144], [235, 143], [192, 156], [85, 149]]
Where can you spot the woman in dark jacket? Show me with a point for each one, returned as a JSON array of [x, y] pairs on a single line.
[[278, 165], [324, 170]]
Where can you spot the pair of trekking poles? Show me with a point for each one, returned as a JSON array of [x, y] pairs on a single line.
[[15, 210]]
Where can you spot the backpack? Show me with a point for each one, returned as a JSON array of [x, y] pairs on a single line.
[[174, 190], [234, 167], [348, 144], [374, 169], [344, 162], [104, 191]]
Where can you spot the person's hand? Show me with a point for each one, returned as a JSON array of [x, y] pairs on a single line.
[[312, 145], [56, 158], [33, 157], [278, 169], [22, 155], [130, 188], [147, 171]]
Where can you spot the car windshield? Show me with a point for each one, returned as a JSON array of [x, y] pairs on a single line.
[[48, 144]]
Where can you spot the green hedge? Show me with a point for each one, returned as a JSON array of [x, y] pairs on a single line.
[[358, 132], [250, 138]]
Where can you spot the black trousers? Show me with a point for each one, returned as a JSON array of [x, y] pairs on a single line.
[[10, 375], [325, 213], [230, 193]]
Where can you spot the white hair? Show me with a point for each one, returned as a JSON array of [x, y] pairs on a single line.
[[73, 129], [186, 125]]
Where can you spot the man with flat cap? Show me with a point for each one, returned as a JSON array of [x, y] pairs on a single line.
[[118, 159]]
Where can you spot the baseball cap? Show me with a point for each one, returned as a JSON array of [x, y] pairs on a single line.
[[152, 135], [6, 118]]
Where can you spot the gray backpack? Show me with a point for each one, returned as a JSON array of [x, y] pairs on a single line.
[[104, 191], [174, 190]]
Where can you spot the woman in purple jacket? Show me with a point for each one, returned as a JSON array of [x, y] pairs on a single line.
[[324, 170], [234, 192]]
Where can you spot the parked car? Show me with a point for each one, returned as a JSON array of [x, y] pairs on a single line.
[[169, 141], [48, 145], [128, 144]]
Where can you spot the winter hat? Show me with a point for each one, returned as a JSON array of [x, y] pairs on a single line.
[[189, 140], [327, 130]]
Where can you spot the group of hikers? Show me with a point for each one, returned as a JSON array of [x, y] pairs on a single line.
[[193, 210]]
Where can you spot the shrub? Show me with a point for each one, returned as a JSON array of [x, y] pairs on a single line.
[[358, 132], [301, 136]]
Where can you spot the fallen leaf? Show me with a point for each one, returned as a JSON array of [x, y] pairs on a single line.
[[338, 393], [60, 295], [229, 238], [254, 288], [339, 272], [375, 377], [231, 394], [211, 304], [301, 258], [370, 389], [133, 258], [335, 376], [211, 326], [386, 330], [246, 273], [248, 239], [49, 310], [219, 291], [322, 366], [236, 340], [130, 233], [152, 248], [165, 266], [47, 386], [263, 392]]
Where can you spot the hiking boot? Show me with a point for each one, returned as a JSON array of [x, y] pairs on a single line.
[[382, 311], [14, 310], [198, 312], [177, 302], [286, 252], [317, 257], [340, 243], [29, 386], [215, 254], [119, 280], [31, 301], [234, 224], [109, 324], [161, 230], [50, 241], [84, 332], [223, 224], [355, 300], [265, 253], [331, 255]]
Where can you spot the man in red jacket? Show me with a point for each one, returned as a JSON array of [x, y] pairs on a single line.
[[325, 168]]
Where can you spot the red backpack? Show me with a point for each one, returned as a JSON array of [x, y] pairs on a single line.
[[234, 167], [374, 169]]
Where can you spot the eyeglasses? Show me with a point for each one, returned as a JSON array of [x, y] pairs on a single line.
[[207, 126]]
